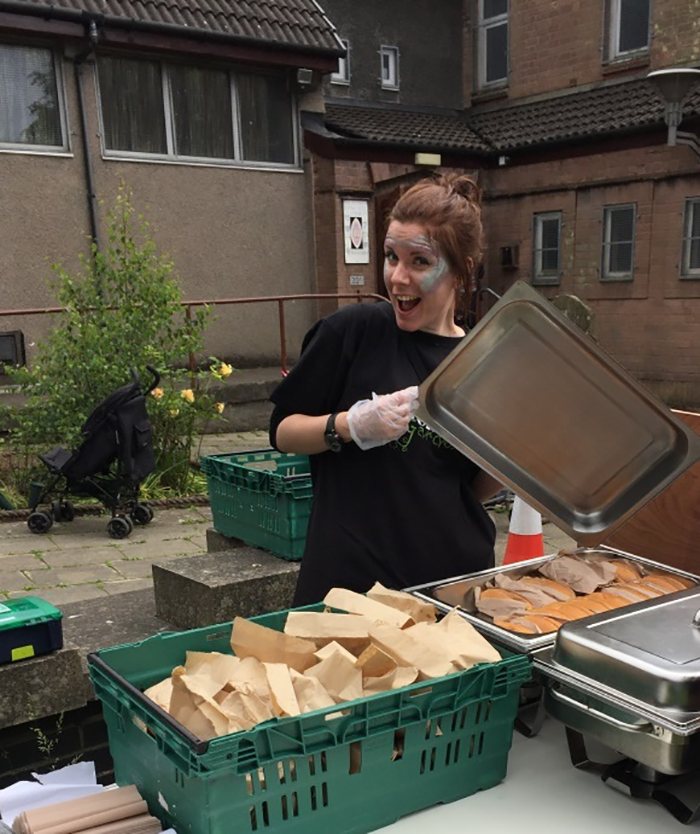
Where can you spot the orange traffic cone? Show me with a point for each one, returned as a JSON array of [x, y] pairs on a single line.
[[524, 534]]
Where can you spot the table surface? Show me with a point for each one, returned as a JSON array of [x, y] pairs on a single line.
[[544, 793]]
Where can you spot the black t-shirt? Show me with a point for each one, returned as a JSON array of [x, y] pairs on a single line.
[[403, 513]]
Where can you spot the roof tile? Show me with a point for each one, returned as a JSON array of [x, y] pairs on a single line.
[[295, 23]]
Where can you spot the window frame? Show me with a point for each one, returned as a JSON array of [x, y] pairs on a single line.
[[606, 274], [539, 278], [392, 52], [65, 148], [173, 158], [342, 78], [613, 31], [687, 272], [483, 25]]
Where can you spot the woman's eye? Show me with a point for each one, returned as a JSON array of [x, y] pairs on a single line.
[[421, 261], [390, 256]]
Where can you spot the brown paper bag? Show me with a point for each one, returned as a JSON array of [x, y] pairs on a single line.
[[399, 676], [419, 611], [351, 631], [161, 693], [370, 608], [431, 661], [284, 699], [184, 708], [331, 647], [212, 664], [243, 704], [465, 642], [374, 663], [311, 693], [340, 677], [269, 646]]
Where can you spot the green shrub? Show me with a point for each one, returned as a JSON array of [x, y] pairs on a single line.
[[123, 311]]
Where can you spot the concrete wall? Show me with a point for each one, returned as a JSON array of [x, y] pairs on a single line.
[[232, 232], [429, 38]]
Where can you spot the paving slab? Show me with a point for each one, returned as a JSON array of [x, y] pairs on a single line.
[[164, 547], [125, 585], [14, 581], [71, 576], [60, 596], [133, 569], [23, 562], [81, 556]]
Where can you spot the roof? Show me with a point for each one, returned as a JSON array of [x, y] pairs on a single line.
[[416, 129], [603, 111], [299, 24], [613, 109]]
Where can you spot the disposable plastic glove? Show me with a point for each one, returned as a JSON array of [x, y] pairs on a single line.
[[382, 419]]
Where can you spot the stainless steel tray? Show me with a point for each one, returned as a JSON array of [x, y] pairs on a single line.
[[458, 592], [535, 402]]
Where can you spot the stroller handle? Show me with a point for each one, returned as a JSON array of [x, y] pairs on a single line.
[[154, 382]]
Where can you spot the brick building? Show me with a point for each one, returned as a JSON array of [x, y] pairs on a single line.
[[566, 136]]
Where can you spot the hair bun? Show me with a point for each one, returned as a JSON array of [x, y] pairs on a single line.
[[463, 186]]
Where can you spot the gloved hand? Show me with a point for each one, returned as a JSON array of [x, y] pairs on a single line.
[[383, 418]]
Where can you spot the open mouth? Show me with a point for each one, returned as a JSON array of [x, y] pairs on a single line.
[[406, 303]]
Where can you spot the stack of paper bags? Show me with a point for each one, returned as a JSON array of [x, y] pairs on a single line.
[[386, 640], [119, 811]]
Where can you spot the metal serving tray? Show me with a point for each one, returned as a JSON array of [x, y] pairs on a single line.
[[458, 592], [535, 402]]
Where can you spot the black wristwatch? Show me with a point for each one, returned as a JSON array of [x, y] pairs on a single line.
[[331, 436]]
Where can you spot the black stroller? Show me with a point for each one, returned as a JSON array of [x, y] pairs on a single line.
[[115, 456]]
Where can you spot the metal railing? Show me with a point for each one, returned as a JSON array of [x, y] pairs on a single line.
[[213, 302]]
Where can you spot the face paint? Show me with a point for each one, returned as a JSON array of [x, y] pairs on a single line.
[[422, 244], [434, 277]]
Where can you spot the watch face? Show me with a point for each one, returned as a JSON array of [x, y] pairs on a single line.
[[333, 441]]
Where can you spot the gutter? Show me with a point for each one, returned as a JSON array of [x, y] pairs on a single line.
[[50, 11], [78, 64]]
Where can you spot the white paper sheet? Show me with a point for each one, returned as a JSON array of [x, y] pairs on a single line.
[[70, 782]]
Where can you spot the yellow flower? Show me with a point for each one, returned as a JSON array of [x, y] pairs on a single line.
[[174, 412], [188, 394], [157, 393], [225, 370], [219, 407]]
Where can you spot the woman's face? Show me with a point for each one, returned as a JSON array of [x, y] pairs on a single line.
[[418, 279]]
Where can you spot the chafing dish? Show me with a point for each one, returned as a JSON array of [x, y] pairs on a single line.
[[458, 592], [631, 680]]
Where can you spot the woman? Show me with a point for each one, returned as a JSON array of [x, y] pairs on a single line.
[[393, 502]]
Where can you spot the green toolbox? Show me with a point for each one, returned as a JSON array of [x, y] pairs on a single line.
[[29, 626]]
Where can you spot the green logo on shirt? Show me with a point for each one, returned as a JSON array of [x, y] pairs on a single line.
[[418, 428]]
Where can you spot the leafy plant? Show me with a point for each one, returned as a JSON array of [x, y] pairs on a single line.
[[122, 310]]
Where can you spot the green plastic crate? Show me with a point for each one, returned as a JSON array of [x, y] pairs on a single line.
[[263, 498], [386, 756]]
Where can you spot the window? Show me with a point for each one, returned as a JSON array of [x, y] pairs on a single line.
[[30, 104], [492, 49], [691, 239], [618, 242], [389, 57], [546, 248], [196, 113], [629, 27], [343, 74]]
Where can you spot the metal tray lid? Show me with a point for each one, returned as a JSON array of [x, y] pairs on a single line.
[[650, 650], [535, 402]]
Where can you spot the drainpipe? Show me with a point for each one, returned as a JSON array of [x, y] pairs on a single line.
[[78, 63]]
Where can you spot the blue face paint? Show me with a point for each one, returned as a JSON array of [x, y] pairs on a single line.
[[421, 246]]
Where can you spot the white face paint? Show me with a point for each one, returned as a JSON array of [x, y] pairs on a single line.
[[419, 281]]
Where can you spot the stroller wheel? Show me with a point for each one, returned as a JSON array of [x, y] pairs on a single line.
[[67, 511], [142, 514], [40, 522], [119, 527]]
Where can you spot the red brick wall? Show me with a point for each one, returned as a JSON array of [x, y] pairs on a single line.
[[651, 325]]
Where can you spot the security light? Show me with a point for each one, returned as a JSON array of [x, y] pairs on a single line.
[[675, 86]]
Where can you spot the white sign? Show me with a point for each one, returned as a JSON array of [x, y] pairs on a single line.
[[356, 231], [357, 280]]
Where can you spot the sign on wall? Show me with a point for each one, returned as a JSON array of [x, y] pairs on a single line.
[[356, 231]]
